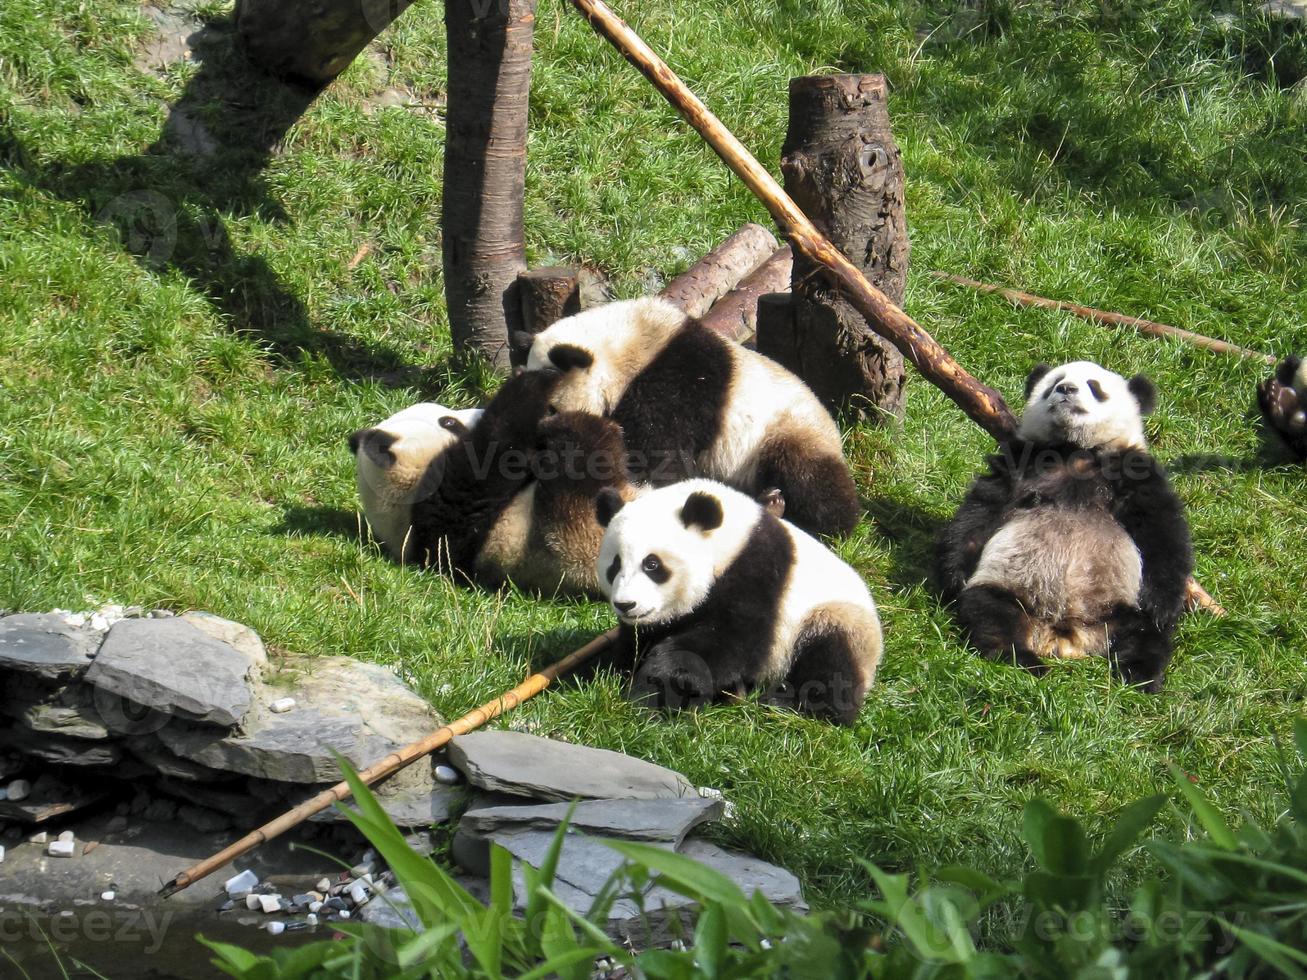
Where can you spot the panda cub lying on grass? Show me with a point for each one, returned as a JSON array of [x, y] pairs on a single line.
[[718, 597], [494, 495], [1283, 398], [692, 403], [1073, 544]]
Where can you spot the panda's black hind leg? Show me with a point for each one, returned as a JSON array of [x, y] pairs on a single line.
[[672, 677], [998, 626], [1139, 651], [818, 492], [825, 680]]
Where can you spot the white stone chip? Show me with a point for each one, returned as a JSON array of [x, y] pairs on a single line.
[[324, 885], [311, 919], [314, 907], [448, 775], [276, 927], [282, 705], [39, 838], [270, 903], [252, 902], [2, 854], [108, 896], [344, 913], [18, 790], [67, 837], [242, 882], [61, 848]]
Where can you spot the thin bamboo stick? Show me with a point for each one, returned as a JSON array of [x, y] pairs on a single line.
[[392, 763], [1109, 319], [982, 404]]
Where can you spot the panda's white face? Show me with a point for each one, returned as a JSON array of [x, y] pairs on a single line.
[[1300, 379], [663, 551], [600, 350], [1086, 405]]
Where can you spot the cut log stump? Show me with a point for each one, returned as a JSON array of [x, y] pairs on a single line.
[[311, 41]]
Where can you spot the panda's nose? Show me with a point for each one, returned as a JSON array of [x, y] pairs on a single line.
[[623, 607], [1067, 388]]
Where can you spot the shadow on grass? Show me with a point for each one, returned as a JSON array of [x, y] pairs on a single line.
[[321, 522], [911, 533], [170, 204]]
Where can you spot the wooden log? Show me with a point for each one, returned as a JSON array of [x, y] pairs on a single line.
[[981, 403], [483, 247], [311, 41], [394, 762], [1108, 319], [697, 288], [735, 315], [547, 294], [843, 169]]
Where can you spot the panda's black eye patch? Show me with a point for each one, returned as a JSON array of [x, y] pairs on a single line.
[[655, 569], [1098, 391], [1052, 386], [615, 567]]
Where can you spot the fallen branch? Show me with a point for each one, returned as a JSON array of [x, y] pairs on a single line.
[[1109, 319], [392, 763], [1196, 597], [982, 404], [697, 288], [735, 315]]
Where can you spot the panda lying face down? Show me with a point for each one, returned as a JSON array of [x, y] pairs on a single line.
[[504, 494], [691, 403], [1283, 398], [718, 597], [1073, 544]]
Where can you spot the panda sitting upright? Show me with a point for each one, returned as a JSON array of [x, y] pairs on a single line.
[[716, 596], [1283, 398], [1073, 544]]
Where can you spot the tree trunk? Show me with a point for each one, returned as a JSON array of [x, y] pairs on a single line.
[[548, 294], [311, 41], [489, 45], [843, 169]]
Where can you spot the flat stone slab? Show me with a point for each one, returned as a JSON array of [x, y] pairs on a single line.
[[42, 707], [644, 820], [527, 765], [50, 797], [363, 711], [584, 863], [43, 645], [173, 666], [62, 750]]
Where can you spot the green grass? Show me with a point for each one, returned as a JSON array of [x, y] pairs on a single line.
[[172, 429]]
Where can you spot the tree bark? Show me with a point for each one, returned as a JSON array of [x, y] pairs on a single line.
[[548, 294], [717, 273], [735, 315], [842, 167], [311, 41], [489, 44]]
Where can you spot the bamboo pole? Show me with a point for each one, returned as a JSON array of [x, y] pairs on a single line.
[[982, 404], [1108, 319], [392, 763]]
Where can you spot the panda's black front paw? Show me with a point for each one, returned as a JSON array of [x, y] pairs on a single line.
[[673, 679]]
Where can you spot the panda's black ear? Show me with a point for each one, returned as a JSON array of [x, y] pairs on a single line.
[[1035, 376], [607, 504], [375, 444], [702, 510], [455, 425], [565, 357], [1145, 393]]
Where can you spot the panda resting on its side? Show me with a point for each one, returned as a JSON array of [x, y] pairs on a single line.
[[1283, 398], [1073, 544], [717, 597], [693, 404], [391, 461], [508, 498]]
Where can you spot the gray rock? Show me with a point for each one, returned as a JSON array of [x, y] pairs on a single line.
[[360, 710], [48, 798], [527, 765], [43, 645], [151, 751], [61, 750], [172, 666], [648, 820], [411, 797], [42, 707], [752, 874], [1289, 10], [584, 863], [392, 910]]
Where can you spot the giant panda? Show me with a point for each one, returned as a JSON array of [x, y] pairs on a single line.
[[691, 403], [391, 462], [1073, 544], [718, 597], [1283, 398], [512, 500]]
